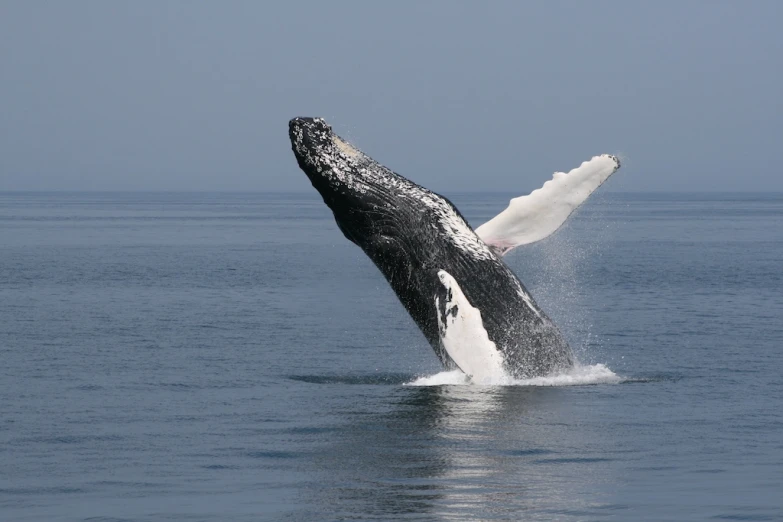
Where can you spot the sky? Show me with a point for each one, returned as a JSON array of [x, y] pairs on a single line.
[[458, 96]]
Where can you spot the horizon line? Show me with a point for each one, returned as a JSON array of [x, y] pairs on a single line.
[[239, 191]]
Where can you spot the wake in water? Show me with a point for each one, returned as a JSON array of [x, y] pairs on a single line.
[[576, 376]]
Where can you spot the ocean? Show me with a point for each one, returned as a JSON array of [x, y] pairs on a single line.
[[231, 357]]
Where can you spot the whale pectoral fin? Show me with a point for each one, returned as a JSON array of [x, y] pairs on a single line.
[[463, 336], [533, 217]]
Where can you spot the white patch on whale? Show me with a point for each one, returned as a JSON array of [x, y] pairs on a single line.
[[463, 336]]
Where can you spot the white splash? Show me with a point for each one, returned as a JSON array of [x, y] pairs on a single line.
[[453, 378], [533, 217], [577, 376]]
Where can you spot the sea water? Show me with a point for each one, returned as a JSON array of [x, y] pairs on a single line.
[[231, 357]]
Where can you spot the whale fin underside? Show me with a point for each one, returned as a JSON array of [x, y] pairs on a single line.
[[533, 217], [463, 336]]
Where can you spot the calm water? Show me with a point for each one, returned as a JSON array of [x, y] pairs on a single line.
[[233, 358]]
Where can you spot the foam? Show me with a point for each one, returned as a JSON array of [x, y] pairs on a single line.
[[452, 378], [579, 375]]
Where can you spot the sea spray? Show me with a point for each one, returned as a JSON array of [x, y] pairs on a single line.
[[579, 375]]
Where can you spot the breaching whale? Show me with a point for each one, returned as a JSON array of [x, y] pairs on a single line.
[[472, 309]]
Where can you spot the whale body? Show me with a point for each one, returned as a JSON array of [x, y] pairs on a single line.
[[472, 309]]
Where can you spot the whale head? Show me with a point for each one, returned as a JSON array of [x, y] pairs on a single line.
[[365, 197], [385, 214]]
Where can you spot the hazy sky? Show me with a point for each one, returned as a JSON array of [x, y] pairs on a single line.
[[185, 95]]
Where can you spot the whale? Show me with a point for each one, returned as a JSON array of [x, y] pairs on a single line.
[[451, 279]]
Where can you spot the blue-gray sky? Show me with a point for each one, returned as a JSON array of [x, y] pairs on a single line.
[[180, 95]]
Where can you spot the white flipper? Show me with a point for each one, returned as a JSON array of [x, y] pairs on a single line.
[[463, 336], [533, 217]]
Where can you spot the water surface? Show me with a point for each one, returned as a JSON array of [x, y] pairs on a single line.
[[176, 356]]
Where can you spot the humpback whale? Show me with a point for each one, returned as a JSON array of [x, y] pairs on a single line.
[[470, 306]]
